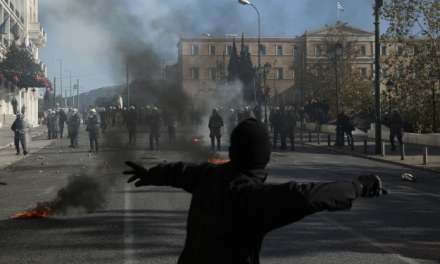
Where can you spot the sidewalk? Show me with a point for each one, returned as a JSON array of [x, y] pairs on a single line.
[[7, 136], [413, 158], [7, 149]]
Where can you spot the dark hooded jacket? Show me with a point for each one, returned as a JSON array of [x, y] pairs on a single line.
[[232, 208]]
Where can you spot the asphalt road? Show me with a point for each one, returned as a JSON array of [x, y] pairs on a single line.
[[147, 225]]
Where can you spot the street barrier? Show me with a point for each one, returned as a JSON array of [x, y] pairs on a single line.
[[425, 156], [402, 152]]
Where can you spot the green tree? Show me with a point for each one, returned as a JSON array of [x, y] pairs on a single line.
[[234, 64], [413, 60]]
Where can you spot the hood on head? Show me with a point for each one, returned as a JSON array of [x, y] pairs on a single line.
[[250, 145]]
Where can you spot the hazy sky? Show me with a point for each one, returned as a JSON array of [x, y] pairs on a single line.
[[84, 33]]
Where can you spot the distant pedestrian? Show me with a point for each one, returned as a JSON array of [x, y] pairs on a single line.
[[232, 121], [132, 122], [61, 120], [93, 124], [215, 128], [103, 117], [73, 125], [232, 208], [171, 123], [54, 124], [347, 129], [276, 123], [20, 128], [49, 123], [290, 117], [396, 129], [154, 123]]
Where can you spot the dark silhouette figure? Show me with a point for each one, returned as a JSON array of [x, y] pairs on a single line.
[[132, 121], [396, 129], [154, 122], [93, 123], [20, 127], [61, 120], [232, 208], [215, 129], [347, 129]]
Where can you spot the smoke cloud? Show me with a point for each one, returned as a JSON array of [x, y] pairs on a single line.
[[96, 36]]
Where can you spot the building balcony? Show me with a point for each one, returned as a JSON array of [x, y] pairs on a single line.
[[37, 35]]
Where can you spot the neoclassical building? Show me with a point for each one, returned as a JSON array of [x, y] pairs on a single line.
[[19, 19], [203, 61]]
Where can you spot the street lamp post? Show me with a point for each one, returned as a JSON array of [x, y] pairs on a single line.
[[266, 69], [378, 114], [249, 3], [339, 132], [338, 54]]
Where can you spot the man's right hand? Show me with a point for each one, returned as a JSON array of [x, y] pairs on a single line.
[[140, 175]]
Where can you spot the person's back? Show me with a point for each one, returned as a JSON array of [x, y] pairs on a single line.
[[19, 126], [93, 123], [215, 121], [396, 121], [132, 119], [220, 229]]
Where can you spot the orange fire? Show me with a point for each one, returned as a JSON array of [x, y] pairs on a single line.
[[41, 211], [218, 161]]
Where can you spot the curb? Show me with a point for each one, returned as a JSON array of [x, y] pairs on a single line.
[[415, 167]]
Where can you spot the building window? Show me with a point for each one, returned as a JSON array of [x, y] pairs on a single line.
[[228, 49], [362, 51], [195, 73], [295, 51], [363, 73], [212, 74], [384, 50], [279, 50], [318, 51], [263, 50], [195, 50], [211, 50], [279, 73]]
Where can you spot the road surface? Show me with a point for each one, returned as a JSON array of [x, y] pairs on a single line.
[[147, 225]]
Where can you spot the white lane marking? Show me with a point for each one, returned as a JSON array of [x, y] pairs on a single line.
[[372, 242], [128, 229]]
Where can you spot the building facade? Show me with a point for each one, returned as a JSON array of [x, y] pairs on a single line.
[[19, 22], [203, 61]]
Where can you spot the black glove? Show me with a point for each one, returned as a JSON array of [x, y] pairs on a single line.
[[139, 174], [371, 186]]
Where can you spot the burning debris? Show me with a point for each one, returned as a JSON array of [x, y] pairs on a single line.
[[217, 159], [81, 193]]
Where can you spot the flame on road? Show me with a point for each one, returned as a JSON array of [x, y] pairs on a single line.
[[217, 160], [41, 211]]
